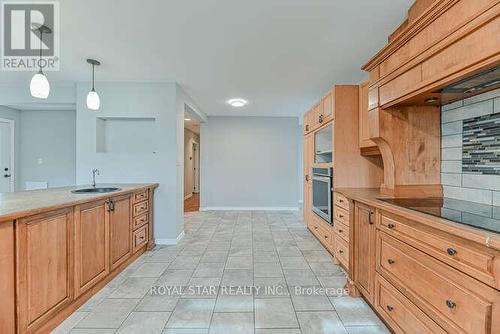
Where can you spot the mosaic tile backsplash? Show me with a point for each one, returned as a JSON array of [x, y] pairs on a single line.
[[481, 145], [470, 149]]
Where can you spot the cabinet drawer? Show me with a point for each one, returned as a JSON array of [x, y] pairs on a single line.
[[141, 196], [322, 233], [141, 208], [342, 252], [140, 221], [341, 230], [452, 299], [399, 312], [140, 238], [476, 260], [341, 200], [341, 215]]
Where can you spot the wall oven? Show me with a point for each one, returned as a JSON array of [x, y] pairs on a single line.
[[322, 193]]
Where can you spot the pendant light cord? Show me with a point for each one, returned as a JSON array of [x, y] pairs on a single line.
[[41, 44], [93, 89]]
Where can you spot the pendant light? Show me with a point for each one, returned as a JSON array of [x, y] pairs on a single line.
[[39, 85], [93, 100]]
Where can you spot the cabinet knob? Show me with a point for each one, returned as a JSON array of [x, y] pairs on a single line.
[[307, 127], [451, 252], [340, 231], [307, 177], [341, 216], [390, 308], [341, 200], [321, 118], [391, 261], [451, 304], [341, 251], [391, 226]]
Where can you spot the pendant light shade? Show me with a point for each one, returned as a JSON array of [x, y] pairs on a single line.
[[93, 100], [39, 86]]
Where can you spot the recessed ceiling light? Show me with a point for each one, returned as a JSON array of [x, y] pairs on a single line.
[[237, 103], [187, 119]]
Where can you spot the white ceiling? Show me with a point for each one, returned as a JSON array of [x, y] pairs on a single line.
[[280, 55]]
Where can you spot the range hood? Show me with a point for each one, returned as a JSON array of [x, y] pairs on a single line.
[[477, 84]]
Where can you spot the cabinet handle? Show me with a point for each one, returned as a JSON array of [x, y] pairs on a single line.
[[391, 261], [390, 308], [391, 226], [321, 118], [341, 216], [451, 252], [340, 231], [307, 127], [315, 227], [451, 304], [370, 218], [341, 251], [341, 200], [326, 237], [307, 177]]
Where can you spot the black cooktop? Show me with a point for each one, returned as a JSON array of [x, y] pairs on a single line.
[[486, 217]]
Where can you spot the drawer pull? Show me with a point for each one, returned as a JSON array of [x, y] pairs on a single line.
[[391, 226], [341, 200], [315, 227], [390, 308], [451, 304], [341, 216], [391, 261], [370, 219], [341, 251], [340, 231], [451, 252], [326, 237]]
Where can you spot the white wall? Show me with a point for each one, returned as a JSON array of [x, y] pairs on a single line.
[[249, 162], [147, 100], [189, 159], [51, 137]]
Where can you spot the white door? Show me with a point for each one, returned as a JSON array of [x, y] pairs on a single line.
[[196, 168], [6, 156]]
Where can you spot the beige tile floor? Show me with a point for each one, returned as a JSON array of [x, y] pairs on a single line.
[[234, 272]]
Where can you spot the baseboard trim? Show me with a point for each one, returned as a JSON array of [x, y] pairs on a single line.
[[170, 242], [247, 208], [188, 196]]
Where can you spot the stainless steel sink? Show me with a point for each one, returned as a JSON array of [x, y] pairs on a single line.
[[95, 190]]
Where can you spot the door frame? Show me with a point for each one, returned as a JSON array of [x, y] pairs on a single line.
[[196, 167], [12, 154]]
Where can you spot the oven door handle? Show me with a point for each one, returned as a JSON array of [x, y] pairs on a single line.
[[322, 178]]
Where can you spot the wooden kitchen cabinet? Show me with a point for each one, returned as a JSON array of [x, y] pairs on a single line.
[[91, 245], [44, 267], [366, 145], [308, 160], [120, 218], [364, 249], [7, 279]]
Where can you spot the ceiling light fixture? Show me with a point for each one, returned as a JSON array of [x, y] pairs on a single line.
[[39, 85], [237, 103], [187, 119], [93, 100]]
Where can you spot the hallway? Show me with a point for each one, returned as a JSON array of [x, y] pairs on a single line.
[[192, 204]]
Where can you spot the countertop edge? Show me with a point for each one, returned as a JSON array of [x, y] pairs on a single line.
[[86, 198], [369, 196]]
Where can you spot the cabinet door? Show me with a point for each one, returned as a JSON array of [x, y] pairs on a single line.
[[364, 249], [44, 267], [120, 219], [328, 105], [91, 245], [364, 135], [308, 161]]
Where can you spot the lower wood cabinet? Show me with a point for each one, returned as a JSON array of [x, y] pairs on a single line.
[[364, 249], [44, 267], [120, 217], [91, 244]]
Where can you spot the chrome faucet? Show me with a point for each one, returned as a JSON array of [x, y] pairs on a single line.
[[94, 172]]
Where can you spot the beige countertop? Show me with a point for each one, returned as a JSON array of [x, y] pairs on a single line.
[[372, 197], [26, 203]]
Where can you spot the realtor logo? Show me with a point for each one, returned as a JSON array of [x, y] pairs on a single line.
[[21, 38]]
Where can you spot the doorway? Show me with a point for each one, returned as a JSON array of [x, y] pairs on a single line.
[[6, 155], [191, 163]]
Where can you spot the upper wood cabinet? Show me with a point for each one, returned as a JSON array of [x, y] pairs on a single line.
[[91, 244], [364, 249], [442, 42], [322, 113], [366, 145], [120, 218], [44, 267]]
